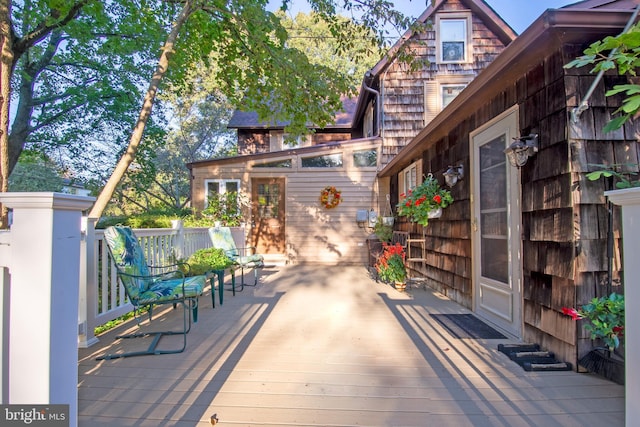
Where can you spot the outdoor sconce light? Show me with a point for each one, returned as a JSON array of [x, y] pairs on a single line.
[[453, 175], [521, 149]]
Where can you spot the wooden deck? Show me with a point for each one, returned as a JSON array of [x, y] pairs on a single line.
[[318, 346]]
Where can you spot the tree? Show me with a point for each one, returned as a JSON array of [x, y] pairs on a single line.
[[256, 66], [71, 67], [200, 113], [620, 53], [35, 172]]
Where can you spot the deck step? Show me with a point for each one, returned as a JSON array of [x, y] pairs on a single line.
[[532, 358]]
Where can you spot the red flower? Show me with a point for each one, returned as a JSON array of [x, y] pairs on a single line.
[[571, 312], [408, 204], [437, 198], [618, 330]]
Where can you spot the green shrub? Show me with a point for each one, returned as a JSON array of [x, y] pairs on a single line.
[[204, 260]]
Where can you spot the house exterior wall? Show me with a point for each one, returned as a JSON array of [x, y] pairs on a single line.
[[407, 95], [314, 234], [564, 215], [253, 141]]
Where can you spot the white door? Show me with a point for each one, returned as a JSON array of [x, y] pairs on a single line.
[[496, 225]]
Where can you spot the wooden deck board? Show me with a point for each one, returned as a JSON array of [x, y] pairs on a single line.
[[313, 346]]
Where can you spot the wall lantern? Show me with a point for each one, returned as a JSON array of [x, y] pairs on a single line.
[[453, 175], [521, 149]]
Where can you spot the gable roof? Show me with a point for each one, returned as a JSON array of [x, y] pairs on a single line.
[[487, 15], [603, 4], [574, 24], [249, 119]]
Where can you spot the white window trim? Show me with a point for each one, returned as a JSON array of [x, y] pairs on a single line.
[[468, 42], [276, 141], [222, 188], [433, 92], [414, 170]]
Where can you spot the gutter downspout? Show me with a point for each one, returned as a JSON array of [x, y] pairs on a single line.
[[584, 105], [366, 87]]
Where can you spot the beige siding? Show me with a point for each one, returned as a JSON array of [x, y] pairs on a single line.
[[314, 234]]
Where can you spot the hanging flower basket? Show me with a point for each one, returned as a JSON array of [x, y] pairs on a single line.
[[424, 202], [330, 197], [436, 213]]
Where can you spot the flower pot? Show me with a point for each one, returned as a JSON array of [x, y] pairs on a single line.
[[436, 213], [387, 220], [401, 286]]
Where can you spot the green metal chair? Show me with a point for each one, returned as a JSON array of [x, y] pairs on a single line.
[[147, 286], [243, 258]]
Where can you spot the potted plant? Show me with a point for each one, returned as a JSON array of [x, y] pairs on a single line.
[[383, 230], [390, 265], [605, 317], [206, 260], [425, 201]]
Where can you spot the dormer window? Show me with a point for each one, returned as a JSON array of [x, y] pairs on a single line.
[[453, 36]]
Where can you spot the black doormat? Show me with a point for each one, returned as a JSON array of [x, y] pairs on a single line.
[[467, 326]]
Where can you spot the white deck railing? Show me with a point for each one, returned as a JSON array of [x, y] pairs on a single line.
[[102, 297]]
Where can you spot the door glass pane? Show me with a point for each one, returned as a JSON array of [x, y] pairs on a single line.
[[493, 210], [268, 200]]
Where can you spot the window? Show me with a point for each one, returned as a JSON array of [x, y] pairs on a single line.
[[277, 141], [409, 177], [453, 37], [327, 161], [449, 92], [277, 164], [365, 158], [440, 92], [217, 190]]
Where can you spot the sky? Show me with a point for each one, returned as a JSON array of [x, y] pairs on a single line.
[[519, 14]]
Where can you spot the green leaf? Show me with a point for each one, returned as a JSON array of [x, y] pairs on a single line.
[[616, 123]]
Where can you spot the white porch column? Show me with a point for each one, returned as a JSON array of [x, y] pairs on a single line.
[[45, 270], [629, 199]]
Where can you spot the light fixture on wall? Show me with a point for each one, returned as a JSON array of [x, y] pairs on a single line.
[[521, 149], [453, 175]]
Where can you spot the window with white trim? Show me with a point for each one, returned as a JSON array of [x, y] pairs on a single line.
[[453, 38], [448, 92], [440, 92], [277, 141], [409, 177], [215, 189]]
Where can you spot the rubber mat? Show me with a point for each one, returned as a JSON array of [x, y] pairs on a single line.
[[467, 326]]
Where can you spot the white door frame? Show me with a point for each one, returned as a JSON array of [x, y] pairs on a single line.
[[498, 301]]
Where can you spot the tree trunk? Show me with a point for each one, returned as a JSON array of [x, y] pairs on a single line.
[[6, 47], [138, 130]]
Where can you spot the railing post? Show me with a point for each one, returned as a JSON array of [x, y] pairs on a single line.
[[178, 244], [45, 270], [629, 199], [88, 297]]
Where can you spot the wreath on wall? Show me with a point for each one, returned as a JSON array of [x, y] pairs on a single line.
[[330, 197]]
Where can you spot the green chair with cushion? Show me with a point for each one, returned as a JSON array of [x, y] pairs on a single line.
[[148, 286], [243, 257]]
